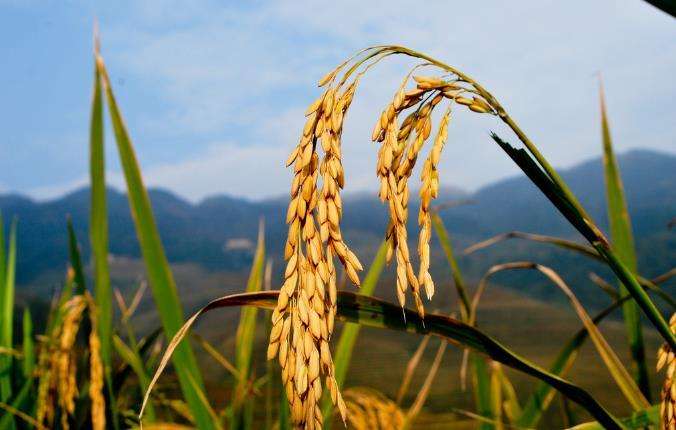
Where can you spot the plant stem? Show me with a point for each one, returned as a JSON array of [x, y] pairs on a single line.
[[601, 242], [637, 292]]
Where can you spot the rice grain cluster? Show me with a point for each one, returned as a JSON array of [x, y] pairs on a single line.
[[371, 410], [58, 385], [303, 320], [667, 360]]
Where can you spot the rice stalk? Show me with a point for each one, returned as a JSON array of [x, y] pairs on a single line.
[[28, 347], [12, 411], [132, 354], [622, 238], [296, 336], [7, 292], [245, 337], [479, 369]]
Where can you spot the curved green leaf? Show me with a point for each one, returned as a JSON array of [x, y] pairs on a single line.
[[373, 312], [622, 239]]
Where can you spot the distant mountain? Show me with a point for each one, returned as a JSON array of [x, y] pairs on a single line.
[[212, 232]]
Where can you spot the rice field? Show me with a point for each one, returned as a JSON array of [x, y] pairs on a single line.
[[306, 350]]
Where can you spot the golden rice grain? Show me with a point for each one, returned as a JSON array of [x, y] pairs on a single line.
[[371, 410], [303, 320], [666, 360], [98, 404]]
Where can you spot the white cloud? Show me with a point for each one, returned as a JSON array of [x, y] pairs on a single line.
[[242, 74], [224, 168]]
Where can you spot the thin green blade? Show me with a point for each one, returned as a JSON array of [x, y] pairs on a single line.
[[28, 349], [577, 219], [478, 368], [7, 315], [373, 312], [246, 333], [98, 224], [75, 259], [157, 266], [622, 239]]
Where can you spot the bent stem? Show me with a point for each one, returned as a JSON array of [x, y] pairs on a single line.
[[599, 241]]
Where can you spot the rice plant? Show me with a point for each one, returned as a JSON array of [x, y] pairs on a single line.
[[90, 369]]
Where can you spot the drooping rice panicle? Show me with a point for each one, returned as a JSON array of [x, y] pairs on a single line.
[[303, 320], [428, 191]]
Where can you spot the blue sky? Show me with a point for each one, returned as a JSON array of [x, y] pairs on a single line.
[[214, 92]]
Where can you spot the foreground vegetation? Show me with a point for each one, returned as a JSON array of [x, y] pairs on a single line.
[[88, 370]]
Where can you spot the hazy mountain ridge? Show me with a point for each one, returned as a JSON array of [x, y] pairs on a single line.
[[199, 232]]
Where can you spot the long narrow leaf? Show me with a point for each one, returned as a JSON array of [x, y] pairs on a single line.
[[246, 332], [372, 312], [571, 210], [7, 315], [75, 259], [478, 368], [17, 404], [28, 349], [622, 239], [445, 242], [159, 274]]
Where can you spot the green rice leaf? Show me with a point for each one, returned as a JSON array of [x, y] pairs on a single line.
[[159, 273], [622, 239], [7, 293], [18, 403], [98, 224], [75, 259], [28, 349], [478, 368], [445, 242], [570, 210], [373, 312], [246, 334]]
